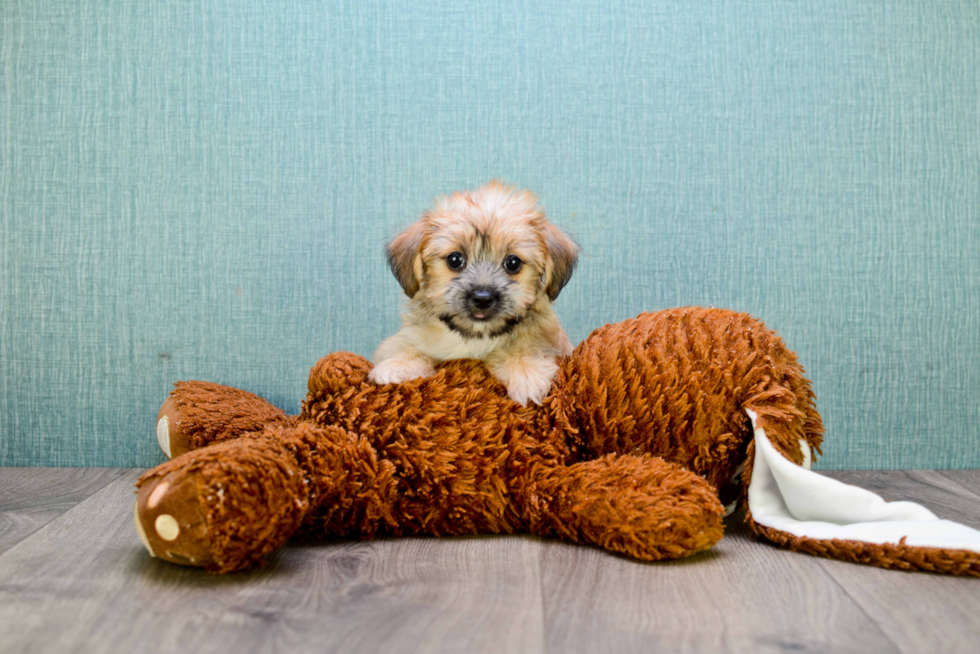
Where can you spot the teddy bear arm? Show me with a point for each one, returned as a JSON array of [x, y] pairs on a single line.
[[200, 413], [337, 372], [640, 506]]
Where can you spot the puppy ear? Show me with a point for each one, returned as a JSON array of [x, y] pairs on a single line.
[[562, 256], [405, 257]]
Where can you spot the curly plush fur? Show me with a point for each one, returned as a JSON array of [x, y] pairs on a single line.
[[642, 437]]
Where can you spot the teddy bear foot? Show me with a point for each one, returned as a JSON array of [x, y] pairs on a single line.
[[170, 522], [197, 414], [171, 438]]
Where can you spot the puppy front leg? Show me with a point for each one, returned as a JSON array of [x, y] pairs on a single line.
[[397, 360], [527, 377]]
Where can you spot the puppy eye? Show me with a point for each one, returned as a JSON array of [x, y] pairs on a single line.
[[456, 261], [512, 264]]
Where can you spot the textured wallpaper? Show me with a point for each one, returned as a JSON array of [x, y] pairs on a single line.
[[202, 190]]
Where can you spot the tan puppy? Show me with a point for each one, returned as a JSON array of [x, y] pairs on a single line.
[[482, 269]]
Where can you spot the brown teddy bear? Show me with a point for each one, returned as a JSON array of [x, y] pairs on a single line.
[[651, 427]]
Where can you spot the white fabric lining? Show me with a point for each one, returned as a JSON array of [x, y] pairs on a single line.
[[790, 498]]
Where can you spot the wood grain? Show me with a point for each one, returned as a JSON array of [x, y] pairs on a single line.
[[921, 612], [744, 596], [82, 582], [32, 497], [85, 583], [968, 479]]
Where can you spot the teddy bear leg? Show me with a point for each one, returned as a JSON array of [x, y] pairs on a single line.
[[640, 506], [226, 506], [223, 507], [198, 413]]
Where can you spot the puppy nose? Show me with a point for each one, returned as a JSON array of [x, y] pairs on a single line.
[[482, 298]]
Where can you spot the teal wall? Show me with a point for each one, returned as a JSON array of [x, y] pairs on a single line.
[[202, 189]]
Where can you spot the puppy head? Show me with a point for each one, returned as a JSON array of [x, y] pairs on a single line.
[[481, 260]]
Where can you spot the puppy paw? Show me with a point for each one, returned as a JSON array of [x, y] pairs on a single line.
[[527, 379], [396, 371]]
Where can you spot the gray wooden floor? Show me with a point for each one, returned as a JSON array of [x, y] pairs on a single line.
[[74, 578]]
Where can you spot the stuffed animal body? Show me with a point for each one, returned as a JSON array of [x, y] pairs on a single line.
[[652, 426]]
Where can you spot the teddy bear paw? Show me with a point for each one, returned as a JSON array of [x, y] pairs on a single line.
[[170, 522]]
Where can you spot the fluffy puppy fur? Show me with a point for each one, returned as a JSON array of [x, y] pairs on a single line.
[[481, 270]]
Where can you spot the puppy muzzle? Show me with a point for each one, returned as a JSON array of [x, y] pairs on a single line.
[[482, 290], [482, 302]]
